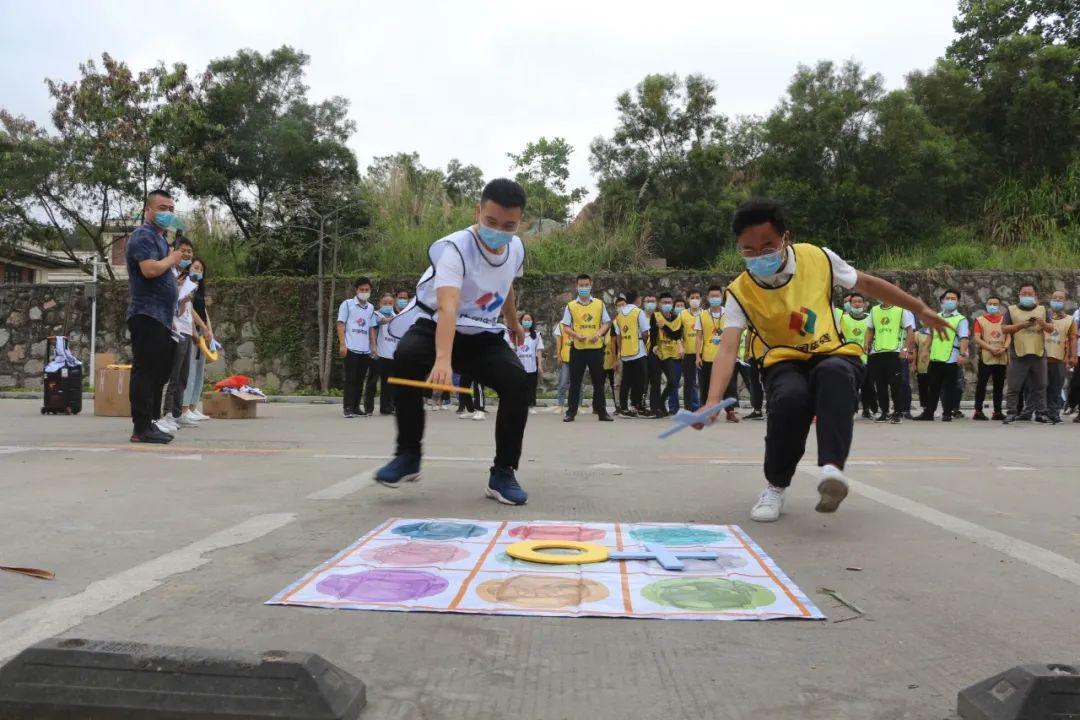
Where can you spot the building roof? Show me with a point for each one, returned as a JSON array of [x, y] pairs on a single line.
[[36, 257]]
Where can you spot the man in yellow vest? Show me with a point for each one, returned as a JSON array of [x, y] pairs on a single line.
[[1060, 353], [890, 336], [689, 317], [632, 330], [785, 297], [853, 326], [585, 321], [993, 343], [665, 335], [1027, 322], [709, 327], [947, 353]]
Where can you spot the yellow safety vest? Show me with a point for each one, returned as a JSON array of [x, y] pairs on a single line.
[[794, 321], [666, 347], [586, 320], [689, 337], [1055, 341], [855, 330], [888, 333], [609, 363], [629, 337], [941, 350], [711, 330], [1028, 341], [564, 354], [991, 333]]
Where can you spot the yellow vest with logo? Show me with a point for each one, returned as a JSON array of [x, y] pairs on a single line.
[[991, 333], [609, 362], [1029, 341], [794, 321], [711, 330], [922, 353], [941, 350], [666, 347], [629, 337], [854, 330], [1055, 341], [586, 320], [689, 337], [888, 333], [564, 354]]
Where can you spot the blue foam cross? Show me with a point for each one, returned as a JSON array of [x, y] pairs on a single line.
[[668, 560], [684, 418]]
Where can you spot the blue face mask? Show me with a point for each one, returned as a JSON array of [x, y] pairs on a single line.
[[1027, 302], [184, 264], [765, 265], [527, 324], [847, 307], [1057, 305], [666, 308], [402, 303], [165, 220], [716, 301], [195, 276], [948, 305], [386, 310], [650, 307], [584, 291], [494, 239], [993, 309]]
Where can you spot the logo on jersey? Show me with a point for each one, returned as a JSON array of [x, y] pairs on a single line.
[[885, 320], [803, 321], [490, 301], [361, 323]]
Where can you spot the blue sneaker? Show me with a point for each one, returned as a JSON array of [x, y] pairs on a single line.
[[503, 486], [403, 468]]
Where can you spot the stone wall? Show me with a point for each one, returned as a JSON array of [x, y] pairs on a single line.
[[269, 329]]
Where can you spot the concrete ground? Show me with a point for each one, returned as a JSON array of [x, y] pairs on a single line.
[[968, 536]]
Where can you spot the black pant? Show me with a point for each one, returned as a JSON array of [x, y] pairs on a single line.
[[941, 378], [609, 375], [632, 390], [386, 393], [705, 382], [357, 369], [751, 375], [867, 396], [689, 381], [534, 382], [884, 371], [1074, 389], [986, 372], [923, 380], [658, 400], [473, 400], [151, 362], [485, 357], [594, 361], [825, 387], [905, 387]]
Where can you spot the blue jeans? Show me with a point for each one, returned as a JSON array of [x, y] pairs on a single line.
[[673, 398], [563, 377], [193, 391]]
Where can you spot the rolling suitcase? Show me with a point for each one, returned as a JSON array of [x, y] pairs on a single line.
[[62, 382]]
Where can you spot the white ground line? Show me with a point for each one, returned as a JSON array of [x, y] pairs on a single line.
[[1014, 468], [433, 458], [360, 481], [1039, 557], [52, 618], [182, 457], [5, 449]]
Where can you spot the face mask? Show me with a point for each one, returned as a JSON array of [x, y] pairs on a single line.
[[584, 291], [386, 310], [527, 324], [625, 309], [993, 309], [716, 301], [765, 265], [858, 311], [363, 296], [165, 220], [184, 264], [948, 305], [1027, 302], [402, 303], [195, 275], [1057, 305], [494, 239], [666, 308], [847, 307], [695, 303], [650, 307]]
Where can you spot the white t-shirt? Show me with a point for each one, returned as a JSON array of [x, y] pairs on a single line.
[[907, 322], [643, 327], [358, 320], [843, 275], [182, 324], [527, 352], [386, 343]]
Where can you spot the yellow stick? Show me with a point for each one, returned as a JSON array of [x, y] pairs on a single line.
[[428, 385]]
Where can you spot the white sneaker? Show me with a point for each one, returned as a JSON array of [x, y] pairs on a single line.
[[479, 415], [464, 415], [769, 505], [532, 411], [189, 415], [833, 488], [184, 421], [199, 415], [164, 426]]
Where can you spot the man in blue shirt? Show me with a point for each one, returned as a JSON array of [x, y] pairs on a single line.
[[152, 283]]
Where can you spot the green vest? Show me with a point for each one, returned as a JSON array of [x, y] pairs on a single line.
[[854, 330], [888, 333], [941, 350]]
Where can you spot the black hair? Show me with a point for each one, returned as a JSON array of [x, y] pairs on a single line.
[[201, 289], [619, 299], [663, 295], [362, 280], [1025, 285], [156, 193], [993, 297], [648, 294], [505, 193], [954, 291], [631, 296], [182, 240], [715, 288], [757, 212], [532, 330], [401, 290], [583, 276], [852, 296], [692, 292], [385, 295]]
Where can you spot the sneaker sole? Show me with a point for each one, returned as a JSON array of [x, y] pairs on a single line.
[[415, 477], [494, 495], [764, 520], [832, 491]]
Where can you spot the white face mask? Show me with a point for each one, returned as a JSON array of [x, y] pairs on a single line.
[[625, 309], [695, 303], [363, 296]]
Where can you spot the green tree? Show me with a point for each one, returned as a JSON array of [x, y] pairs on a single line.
[[463, 183], [543, 169]]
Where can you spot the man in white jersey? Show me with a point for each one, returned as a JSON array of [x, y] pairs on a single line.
[[459, 301]]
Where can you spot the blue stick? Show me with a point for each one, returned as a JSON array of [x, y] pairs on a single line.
[[684, 418]]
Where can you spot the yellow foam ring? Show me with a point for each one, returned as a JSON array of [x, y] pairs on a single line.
[[210, 354], [533, 551], [116, 366]]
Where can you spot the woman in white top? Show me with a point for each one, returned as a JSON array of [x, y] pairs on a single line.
[[531, 355]]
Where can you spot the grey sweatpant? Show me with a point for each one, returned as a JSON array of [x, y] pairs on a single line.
[[1029, 368], [174, 392]]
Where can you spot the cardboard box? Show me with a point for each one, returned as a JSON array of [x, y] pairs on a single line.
[[104, 359], [111, 386], [230, 406]]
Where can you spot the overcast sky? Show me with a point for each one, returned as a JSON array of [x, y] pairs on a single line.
[[475, 80]]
